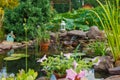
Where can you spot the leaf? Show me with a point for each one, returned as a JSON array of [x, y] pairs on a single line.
[[15, 57], [11, 58], [19, 55]]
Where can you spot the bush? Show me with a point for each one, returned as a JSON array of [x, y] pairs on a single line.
[[31, 12], [80, 19]]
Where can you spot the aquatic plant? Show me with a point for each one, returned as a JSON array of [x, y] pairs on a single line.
[[26, 50], [15, 57], [111, 25], [22, 75]]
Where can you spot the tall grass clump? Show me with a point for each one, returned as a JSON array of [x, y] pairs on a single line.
[[111, 25]]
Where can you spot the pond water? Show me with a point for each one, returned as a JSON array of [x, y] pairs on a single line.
[[8, 67]]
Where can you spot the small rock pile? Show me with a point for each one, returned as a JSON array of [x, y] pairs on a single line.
[[70, 39], [5, 45]]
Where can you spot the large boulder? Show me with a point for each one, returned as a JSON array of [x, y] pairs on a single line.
[[105, 63], [116, 77], [5, 47], [115, 70], [95, 33]]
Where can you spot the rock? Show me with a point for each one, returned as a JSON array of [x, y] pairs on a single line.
[[63, 34], [63, 79], [53, 35], [117, 63], [67, 43], [115, 70], [69, 48], [75, 43], [95, 33], [15, 47], [116, 77], [105, 63], [77, 33], [1, 50], [42, 78], [5, 47]]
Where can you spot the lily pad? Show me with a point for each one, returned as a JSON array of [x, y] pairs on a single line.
[[15, 57], [11, 58], [19, 55]]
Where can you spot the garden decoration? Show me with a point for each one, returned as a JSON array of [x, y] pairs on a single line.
[[10, 37], [62, 26]]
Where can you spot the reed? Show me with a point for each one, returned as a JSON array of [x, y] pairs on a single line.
[[111, 25]]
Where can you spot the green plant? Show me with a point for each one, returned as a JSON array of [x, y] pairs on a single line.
[[99, 48], [1, 34], [60, 64], [57, 64], [35, 12], [30, 75], [111, 25], [80, 19], [22, 75], [82, 65], [42, 34]]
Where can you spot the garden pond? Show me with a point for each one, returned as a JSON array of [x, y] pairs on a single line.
[[13, 66]]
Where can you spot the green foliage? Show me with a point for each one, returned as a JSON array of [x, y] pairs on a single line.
[[42, 34], [99, 48], [1, 34], [57, 64], [83, 65], [31, 12], [110, 20], [60, 64], [22, 75], [9, 3], [78, 19], [15, 57], [30, 75]]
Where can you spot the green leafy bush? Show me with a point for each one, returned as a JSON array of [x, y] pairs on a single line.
[[80, 19], [31, 12]]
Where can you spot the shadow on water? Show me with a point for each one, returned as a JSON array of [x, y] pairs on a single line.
[[13, 66]]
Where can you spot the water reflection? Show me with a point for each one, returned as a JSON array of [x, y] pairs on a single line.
[[3, 72], [10, 52], [13, 66]]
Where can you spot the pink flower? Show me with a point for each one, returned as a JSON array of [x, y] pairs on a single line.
[[71, 74]]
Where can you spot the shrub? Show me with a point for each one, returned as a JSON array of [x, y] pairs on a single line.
[[31, 12]]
